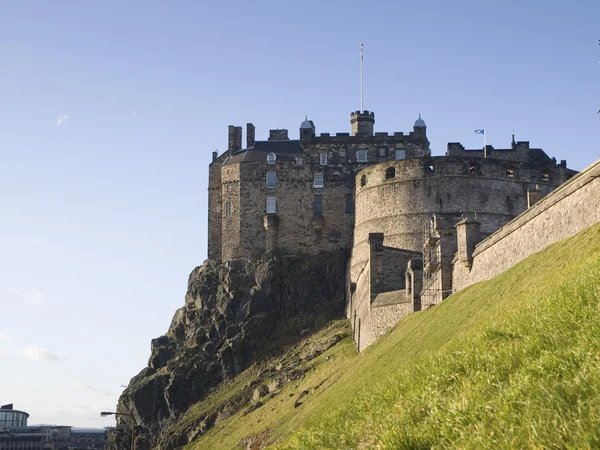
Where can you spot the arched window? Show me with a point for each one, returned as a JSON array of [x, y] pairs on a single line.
[[390, 172], [363, 180], [271, 157]]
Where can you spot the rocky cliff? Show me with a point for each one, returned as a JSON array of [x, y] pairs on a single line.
[[235, 314]]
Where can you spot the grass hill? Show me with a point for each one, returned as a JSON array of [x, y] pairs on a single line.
[[513, 362]]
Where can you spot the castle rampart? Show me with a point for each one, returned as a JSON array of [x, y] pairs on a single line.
[[571, 208], [398, 197]]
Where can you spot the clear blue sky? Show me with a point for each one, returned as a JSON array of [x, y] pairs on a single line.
[[109, 112]]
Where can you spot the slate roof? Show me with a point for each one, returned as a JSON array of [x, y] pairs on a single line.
[[285, 151]]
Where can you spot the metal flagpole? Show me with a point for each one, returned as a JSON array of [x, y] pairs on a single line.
[[361, 78], [484, 144]]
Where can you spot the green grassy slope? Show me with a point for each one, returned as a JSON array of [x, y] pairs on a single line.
[[513, 362]]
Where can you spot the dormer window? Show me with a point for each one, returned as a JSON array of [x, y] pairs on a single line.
[[271, 158], [323, 158]]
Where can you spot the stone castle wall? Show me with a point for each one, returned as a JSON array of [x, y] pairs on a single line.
[[296, 229], [571, 208], [400, 206]]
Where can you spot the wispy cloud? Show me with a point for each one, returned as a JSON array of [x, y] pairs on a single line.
[[32, 297], [61, 119], [39, 354], [85, 387]]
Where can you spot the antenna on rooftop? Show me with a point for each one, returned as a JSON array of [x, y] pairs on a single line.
[[361, 78]]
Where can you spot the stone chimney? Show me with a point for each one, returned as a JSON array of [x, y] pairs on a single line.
[[235, 138], [278, 135], [250, 135], [467, 236]]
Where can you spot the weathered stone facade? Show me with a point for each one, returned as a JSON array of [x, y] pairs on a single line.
[[325, 192], [569, 209], [310, 216]]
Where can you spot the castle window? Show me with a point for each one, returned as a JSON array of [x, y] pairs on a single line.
[[318, 180], [382, 152], [323, 158], [349, 203], [271, 204], [390, 172], [299, 160], [227, 209], [400, 153], [343, 152], [318, 204], [361, 156], [271, 180], [510, 172], [271, 157], [363, 180], [545, 175], [473, 169], [229, 188]]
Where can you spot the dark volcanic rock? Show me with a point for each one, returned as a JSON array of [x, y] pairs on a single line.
[[235, 313]]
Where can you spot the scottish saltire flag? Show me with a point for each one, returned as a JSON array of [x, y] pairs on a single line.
[[480, 131]]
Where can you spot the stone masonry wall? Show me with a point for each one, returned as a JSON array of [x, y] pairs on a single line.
[[400, 206], [383, 318], [571, 208], [230, 192], [214, 210], [299, 230], [361, 303]]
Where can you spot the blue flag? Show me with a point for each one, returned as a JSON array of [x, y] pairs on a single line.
[[480, 131]]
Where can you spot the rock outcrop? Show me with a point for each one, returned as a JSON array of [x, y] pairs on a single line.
[[235, 314]]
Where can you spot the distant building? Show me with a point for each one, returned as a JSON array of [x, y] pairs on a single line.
[[15, 434]]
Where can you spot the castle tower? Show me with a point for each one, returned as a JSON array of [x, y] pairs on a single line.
[[362, 123], [420, 127], [307, 130]]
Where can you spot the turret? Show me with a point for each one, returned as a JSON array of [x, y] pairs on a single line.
[[362, 123], [420, 127], [307, 130]]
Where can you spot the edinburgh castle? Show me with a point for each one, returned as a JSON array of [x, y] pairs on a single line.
[[406, 218]]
